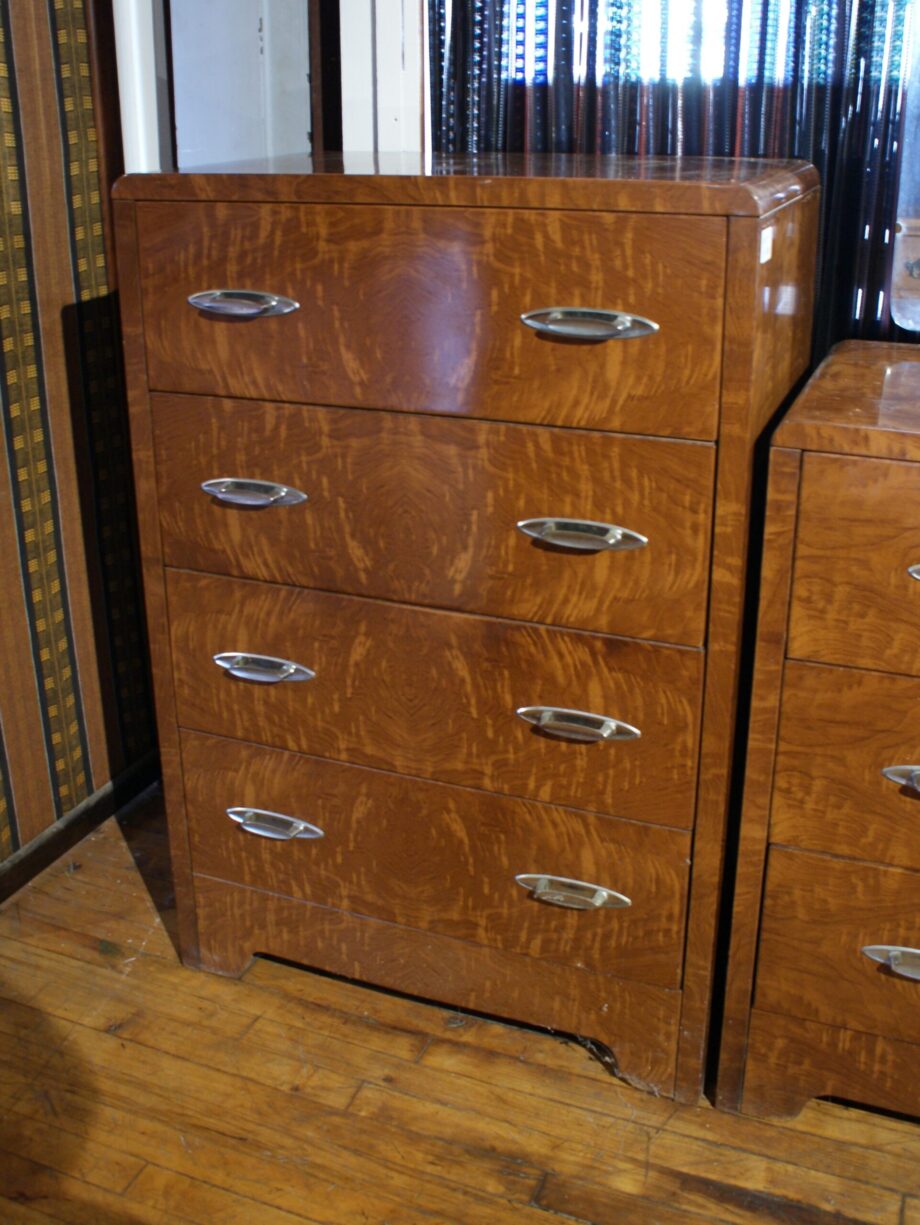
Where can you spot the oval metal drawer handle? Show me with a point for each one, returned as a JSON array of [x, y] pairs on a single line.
[[898, 959], [586, 535], [577, 725], [904, 776], [590, 326], [572, 894], [265, 669], [276, 825], [914, 572], [241, 303], [242, 491]]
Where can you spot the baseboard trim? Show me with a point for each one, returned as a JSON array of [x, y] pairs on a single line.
[[55, 841]]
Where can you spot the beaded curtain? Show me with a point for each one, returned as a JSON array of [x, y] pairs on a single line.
[[816, 79]]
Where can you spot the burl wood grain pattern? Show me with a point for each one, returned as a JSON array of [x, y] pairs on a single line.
[[433, 694], [840, 728], [775, 586], [144, 464], [854, 602], [441, 859], [419, 310], [818, 913], [424, 510], [638, 1022], [825, 1061], [769, 297]]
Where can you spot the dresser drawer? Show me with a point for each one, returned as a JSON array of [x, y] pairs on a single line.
[[818, 914], [439, 858], [839, 729], [424, 510], [434, 694], [419, 309], [853, 600]]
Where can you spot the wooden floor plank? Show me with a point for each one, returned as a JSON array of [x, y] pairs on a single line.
[[67, 1199], [135, 1090], [587, 1202], [867, 1157]]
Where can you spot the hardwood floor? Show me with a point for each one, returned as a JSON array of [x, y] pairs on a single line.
[[133, 1090]]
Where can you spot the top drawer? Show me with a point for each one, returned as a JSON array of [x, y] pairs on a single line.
[[419, 309], [854, 601]]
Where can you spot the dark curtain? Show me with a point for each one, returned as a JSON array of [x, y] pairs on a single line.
[[816, 79]]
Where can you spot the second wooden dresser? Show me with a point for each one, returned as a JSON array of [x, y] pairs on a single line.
[[823, 992], [443, 483]]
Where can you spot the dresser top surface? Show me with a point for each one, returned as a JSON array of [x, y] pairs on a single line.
[[693, 185], [864, 399]]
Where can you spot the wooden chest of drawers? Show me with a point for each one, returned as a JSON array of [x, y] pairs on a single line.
[[828, 889], [493, 572]]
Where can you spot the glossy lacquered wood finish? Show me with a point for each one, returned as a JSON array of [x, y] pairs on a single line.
[[818, 913], [441, 859], [854, 601], [434, 694], [842, 841], [840, 728], [775, 587], [236, 922], [424, 510], [862, 400], [419, 310], [758, 325], [709, 186], [825, 1061], [769, 297]]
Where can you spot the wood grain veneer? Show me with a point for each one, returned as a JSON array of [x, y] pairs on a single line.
[[806, 1013], [419, 310], [386, 264], [236, 922], [441, 859], [825, 1061], [853, 601], [840, 728], [433, 694], [423, 510], [818, 912], [742, 187], [775, 587]]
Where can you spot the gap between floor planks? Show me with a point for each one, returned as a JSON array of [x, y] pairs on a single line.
[[135, 1090]]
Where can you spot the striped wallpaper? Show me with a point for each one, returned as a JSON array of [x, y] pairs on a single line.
[[75, 710]]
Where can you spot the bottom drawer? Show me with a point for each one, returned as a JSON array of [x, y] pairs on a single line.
[[440, 858], [791, 1061], [818, 914], [638, 1023]]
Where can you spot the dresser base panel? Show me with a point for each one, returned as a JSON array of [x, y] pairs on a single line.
[[791, 1061], [638, 1023]]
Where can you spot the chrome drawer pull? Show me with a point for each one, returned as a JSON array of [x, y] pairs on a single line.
[[900, 960], [914, 572], [586, 535], [241, 303], [572, 894], [241, 491], [904, 776], [276, 825], [591, 326], [578, 725], [265, 669]]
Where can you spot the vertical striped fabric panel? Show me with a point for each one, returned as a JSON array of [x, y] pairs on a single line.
[[71, 624]]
